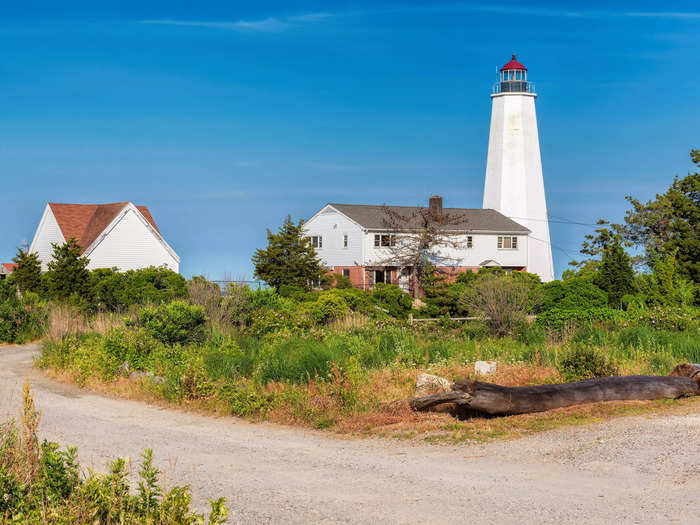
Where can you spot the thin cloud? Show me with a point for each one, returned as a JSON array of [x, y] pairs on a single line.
[[264, 25], [283, 23]]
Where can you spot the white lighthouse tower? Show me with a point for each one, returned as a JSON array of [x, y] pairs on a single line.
[[514, 184]]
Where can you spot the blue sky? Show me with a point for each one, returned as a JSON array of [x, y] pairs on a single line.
[[223, 117]]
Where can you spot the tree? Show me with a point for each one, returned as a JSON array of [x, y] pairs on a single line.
[[289, 258], [615, 275], [27, 274], [670, 222], [418, 238], [666, 285], [67, 277]]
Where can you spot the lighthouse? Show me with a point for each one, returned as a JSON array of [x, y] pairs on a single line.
[[514, 185]]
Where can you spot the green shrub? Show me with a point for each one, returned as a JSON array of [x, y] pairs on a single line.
[[584, 362], [21, 320], [177, 322], [557, 318], [577, 293], [115, 291], [343, 282], [329, 307], [391, 298]]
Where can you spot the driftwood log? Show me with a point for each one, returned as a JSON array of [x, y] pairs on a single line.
[[488, 398]]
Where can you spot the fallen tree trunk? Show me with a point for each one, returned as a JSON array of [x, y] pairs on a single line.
[[489, 398]]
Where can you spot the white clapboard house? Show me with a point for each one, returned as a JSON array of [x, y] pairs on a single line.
[[116, 235], [353, 240]]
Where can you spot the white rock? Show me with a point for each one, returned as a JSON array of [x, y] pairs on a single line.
[[427, 384], [485, 367]]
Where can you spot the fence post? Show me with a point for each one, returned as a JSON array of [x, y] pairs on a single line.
[[410, 319]]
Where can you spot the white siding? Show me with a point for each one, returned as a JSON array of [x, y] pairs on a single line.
[[332, 226], [47, 233], [129, 245], [484, 248]]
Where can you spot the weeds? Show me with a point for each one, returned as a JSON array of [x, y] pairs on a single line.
[[40, 483]]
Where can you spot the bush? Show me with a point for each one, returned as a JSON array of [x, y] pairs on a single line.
[[573, 294], [177, 322], [503, 301], [392, 299], [343, 282], [329, 307], [584, 362], [115, 291], [557, 318], [21, 320]]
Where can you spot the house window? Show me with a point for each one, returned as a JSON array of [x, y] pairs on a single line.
[[384, 240], [507, 243], [469, 241], [345, 241], [346, 272], [317, 241]]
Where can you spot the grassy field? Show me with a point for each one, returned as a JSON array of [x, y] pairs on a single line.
[[341, 377]]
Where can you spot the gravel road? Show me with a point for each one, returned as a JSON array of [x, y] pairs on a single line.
[[631, 470]]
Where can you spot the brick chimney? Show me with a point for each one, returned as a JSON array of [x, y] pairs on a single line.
[[435, 203]]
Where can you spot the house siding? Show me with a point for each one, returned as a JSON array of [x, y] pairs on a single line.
[[332, 226], [130, 245], [47, 233]]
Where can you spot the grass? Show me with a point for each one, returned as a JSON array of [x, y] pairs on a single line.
[[341, 377]]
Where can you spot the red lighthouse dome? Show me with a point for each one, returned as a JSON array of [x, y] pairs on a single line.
[[513, 64]]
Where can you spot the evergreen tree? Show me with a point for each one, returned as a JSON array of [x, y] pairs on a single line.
[[289, 258], [670, 222], [27, 275], [67, 277], [615, 275]]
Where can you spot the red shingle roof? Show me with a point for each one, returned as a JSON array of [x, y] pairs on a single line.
[[513, 64], [10, 267], [85, 222]]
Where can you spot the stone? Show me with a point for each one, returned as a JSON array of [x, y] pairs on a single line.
[[485, 368], [427, 384]]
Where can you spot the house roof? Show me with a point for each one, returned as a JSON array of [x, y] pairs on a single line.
[[85, 222], [9, 267], [374, 217], [513, 64]]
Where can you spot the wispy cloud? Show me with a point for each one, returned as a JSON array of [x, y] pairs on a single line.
[[263, 25], [277, 24]]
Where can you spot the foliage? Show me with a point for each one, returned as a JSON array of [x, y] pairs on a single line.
[[342, 282], [392, 299], [669, 222], [503, 301], [40, 483], [21, 320], [615, 276], [27, 274], [67, 278], [177, 322], [559, 319], [666, 285], [113, 290], [572, 294], [583, 362], [289, 258], [329, 307]]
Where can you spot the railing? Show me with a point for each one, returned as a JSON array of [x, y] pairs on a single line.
[[514, 86]]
